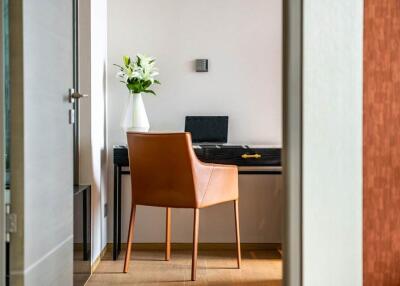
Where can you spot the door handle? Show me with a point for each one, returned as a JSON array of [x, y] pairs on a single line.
[[75, 95], [254, 156]]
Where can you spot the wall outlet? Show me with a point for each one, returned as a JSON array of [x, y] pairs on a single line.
[[105, 210]]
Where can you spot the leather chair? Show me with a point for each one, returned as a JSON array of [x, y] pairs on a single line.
[[165, 172]]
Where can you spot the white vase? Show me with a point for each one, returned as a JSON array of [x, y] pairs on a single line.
[[135, 116]]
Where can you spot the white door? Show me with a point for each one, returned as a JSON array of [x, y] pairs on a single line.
[[41, 74]]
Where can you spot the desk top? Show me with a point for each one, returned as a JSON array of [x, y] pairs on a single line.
[[232, 145], [240, 155]]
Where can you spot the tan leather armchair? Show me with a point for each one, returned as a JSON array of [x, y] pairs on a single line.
[[165, 172]]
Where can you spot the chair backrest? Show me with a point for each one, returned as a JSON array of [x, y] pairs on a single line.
[[161, 166]]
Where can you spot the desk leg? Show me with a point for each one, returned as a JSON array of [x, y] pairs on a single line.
[[84, 224], [119, 209], [115, 198], [89, 222]]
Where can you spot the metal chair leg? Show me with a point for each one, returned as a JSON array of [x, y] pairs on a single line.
[[167, 234], [239, 256], [195, 242]]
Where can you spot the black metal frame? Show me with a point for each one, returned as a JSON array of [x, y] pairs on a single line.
[[118, 172], [86, 191], [7, 263], [75, 49]]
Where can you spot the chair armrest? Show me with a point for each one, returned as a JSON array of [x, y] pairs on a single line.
[[215, 183]]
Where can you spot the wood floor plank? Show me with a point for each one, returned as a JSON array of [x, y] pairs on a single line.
[[259, 267]]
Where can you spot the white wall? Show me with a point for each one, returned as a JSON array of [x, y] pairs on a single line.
[[241, 39], [243, 42], [93, 61], [332, 143]]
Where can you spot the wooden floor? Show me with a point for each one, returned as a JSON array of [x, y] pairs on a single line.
[[259, 267]]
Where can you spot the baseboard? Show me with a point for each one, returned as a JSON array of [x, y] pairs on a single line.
[[202, 246], [78, 246], [96, 262]]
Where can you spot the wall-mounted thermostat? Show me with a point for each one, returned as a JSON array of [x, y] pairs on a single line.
[[201, 65]]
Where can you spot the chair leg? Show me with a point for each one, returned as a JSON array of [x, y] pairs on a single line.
[[239, 256], [130, 238], [195, 242], [167, 234]]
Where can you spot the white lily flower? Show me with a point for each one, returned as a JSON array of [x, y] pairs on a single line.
[[133, 72]]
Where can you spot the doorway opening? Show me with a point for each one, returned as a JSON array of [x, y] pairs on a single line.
[[244, 81], [245, 77]]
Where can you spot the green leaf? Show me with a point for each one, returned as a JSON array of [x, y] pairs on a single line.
[[149, 91], [146, 84], [132, 86], [157, 82]]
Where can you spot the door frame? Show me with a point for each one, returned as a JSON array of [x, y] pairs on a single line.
[[2, 169], [292, 140], [292, 145]]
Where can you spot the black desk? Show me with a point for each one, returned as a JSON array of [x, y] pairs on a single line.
[[252, 160]]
